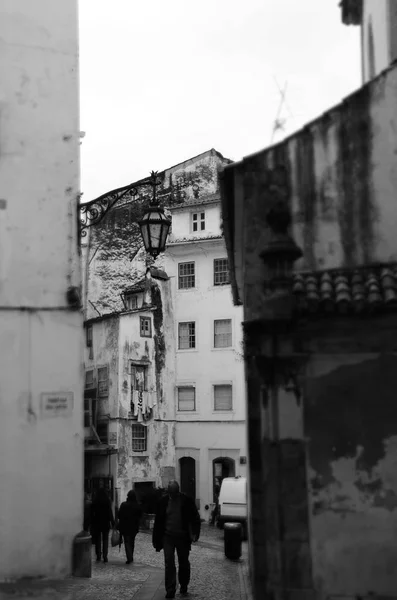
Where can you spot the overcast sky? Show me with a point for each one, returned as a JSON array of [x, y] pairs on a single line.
[[164, 80]]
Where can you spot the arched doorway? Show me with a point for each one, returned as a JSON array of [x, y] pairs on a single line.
[[187, 466], [221, 467]]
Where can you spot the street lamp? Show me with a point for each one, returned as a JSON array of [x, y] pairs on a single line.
[[154, 225]]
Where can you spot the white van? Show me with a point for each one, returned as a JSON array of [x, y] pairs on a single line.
[[233, 502]]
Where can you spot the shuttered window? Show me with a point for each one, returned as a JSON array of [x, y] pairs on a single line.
[[186, 398], [103, 382], [223, 398]]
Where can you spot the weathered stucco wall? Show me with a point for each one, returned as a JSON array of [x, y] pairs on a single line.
[[160, 453], [341, 180], [351, 423], [114, 257], [41, 491]]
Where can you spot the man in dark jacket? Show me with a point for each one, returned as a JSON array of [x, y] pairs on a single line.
[[129, 517], [176, 526], [101, 521]]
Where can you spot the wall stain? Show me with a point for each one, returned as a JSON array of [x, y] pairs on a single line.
[[351, 421]]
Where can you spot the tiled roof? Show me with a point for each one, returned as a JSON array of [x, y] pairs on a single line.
[[192, 239], [137, 287], [346, 292], [200, 201]]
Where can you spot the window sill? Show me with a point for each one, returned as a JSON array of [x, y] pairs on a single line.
[[182, 350], [143, 453], [229, 348], [190, 289]]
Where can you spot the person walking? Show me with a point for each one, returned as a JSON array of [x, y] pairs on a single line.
[[177, 524], [129, 517], [101, 521]]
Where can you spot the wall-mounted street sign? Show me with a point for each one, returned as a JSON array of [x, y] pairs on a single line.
[[56, 404]]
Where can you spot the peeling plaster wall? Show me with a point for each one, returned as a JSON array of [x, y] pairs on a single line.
[[342, 177], [351, 424], [147, 466], [41, 491], [114, 257]]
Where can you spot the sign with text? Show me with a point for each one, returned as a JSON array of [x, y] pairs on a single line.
[[56, 404]]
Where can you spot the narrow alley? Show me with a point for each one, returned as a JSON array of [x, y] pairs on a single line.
[[214, 577]]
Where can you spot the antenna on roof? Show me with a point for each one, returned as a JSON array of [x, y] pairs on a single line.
[[279, 122]]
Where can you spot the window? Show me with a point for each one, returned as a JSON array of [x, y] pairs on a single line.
[[198, 221], [139, 377], [145, 326], [89, 379], [131, 301], [102, 430], [103, 382], [221, 271], [87, 412], [187, 335], [186, 276], [139, 438], [223, 333], [89, 336], [186, 398], [223, 397]]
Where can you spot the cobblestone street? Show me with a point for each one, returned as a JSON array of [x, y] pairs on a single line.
[[214, 577]]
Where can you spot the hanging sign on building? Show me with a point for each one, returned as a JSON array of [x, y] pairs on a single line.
[[56, 404]]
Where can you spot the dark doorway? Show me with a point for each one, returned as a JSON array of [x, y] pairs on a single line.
[[188, 476], [221, 468]]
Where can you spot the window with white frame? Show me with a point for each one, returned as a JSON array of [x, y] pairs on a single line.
[[222, 333], [103, 382], [186, 398], [198, 221], [131, 301], [187, 335], [186, 275], [145, 326], [223, 397], [221, 271], [139, 438]]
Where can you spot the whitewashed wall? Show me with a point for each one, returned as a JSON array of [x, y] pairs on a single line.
[[41, 467]]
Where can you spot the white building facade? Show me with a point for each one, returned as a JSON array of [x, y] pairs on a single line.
[[378, 22], [209, 393], [41, 325]]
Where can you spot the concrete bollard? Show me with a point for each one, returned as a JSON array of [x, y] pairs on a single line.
[[81, 557]]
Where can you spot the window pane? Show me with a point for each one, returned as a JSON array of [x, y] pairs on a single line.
[[186, 398], [187, 335], [221, 271], [103, 381], [186, 278], [139, 438], [89, 378], [223, 333], [223, 397]]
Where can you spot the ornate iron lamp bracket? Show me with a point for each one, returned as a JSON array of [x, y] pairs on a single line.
[[92, 213]]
